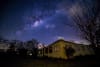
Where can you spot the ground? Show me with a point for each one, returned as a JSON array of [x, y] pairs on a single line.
[[41, 62]]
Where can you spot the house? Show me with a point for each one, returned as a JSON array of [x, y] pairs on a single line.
[[65, 49], [4, 47]]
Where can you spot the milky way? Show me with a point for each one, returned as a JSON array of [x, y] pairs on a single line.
[[39, 19]]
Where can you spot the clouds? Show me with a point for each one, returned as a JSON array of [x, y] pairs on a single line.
[[71, 8], [60, 37], [29, 26], [76, 9], [50, 26], [37, 23], [33, 25], [18, 32]]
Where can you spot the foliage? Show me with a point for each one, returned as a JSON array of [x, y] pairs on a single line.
[[69, 51]]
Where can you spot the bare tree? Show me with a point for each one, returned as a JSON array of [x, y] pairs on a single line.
[[86, 16]]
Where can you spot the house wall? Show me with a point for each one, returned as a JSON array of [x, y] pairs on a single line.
[[58, 50], [80, 50]]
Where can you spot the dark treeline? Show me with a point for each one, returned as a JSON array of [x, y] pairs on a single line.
[[19, 48]]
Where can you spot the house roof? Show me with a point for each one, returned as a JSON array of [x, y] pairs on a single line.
[[62, 40]]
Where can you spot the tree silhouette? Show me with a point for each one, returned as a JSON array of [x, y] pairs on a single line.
[[69, 51], [11, 49], [32, 46], [21, 49], [86, 16]]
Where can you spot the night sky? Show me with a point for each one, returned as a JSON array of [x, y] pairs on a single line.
[[43, 20]]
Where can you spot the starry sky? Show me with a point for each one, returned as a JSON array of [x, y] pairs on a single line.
[[44, 20]]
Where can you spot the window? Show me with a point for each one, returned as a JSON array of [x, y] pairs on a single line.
[[50, 49], [46, 50], [56, 49]]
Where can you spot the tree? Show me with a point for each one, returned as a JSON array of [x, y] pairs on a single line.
[[21, 49], [69, 51], [32, 46], [11, 49], [98, 36], [86, 16]]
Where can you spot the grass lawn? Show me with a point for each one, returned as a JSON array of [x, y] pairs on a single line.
[[30, 62]]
